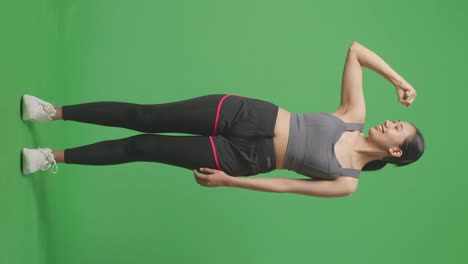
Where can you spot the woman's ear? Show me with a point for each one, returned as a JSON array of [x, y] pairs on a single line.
[[396, 152]]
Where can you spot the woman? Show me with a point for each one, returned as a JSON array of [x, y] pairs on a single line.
[[241, 136]]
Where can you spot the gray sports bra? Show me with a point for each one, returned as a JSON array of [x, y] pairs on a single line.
[[310, 149]]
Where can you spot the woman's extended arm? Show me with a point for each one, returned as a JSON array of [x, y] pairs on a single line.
[[352, 106], [341, 186], [337, 188]]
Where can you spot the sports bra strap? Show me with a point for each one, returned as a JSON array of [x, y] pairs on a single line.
[[354, 126], [350, 172]]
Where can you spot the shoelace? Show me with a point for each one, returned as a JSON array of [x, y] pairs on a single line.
[[50, 161], [49, 109]]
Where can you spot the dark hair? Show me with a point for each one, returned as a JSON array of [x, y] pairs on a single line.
[[412, 147]]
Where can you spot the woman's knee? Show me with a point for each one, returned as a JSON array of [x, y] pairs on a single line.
[[136, 147]]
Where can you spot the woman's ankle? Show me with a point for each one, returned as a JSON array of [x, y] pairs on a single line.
[[59, 156], [58, 115]]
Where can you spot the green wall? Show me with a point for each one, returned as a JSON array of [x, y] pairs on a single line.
[[288, 52]]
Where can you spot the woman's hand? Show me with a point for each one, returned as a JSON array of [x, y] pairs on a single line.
[[406, 93], [212, 178]]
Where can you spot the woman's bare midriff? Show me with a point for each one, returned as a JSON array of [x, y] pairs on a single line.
[[281, 137]]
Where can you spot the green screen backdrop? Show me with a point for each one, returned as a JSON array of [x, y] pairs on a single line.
[[290, 53]]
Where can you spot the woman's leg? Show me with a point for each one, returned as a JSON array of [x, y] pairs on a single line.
[[191, 152], [230, 152], [192, 116]]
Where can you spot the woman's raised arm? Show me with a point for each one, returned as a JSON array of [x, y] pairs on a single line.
[[352, 107]]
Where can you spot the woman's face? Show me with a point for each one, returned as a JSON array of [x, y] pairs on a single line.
[[391, 134]]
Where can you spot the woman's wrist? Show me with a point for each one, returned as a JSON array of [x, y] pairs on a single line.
[[397, 80], [230, 182]]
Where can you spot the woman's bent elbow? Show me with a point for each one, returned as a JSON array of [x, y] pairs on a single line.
[[350, 189], [354, 45]]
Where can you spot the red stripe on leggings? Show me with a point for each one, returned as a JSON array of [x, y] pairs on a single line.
[[217, 113], [214, 153]]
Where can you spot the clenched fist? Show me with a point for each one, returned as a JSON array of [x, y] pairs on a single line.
[[405, 92]]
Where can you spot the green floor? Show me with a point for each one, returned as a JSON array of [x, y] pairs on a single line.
[[288, 52]]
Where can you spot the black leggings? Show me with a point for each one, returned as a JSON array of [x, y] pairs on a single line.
[[236, 133]]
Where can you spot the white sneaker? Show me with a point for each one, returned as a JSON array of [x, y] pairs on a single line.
[[37, 159], [35, 109]]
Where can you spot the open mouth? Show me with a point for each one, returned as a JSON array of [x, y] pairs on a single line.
[[380, 128]]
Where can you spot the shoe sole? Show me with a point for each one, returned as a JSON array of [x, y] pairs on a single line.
[[21, 161], [21, 107]]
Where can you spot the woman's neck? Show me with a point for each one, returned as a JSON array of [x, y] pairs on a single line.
[[364, 151]]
